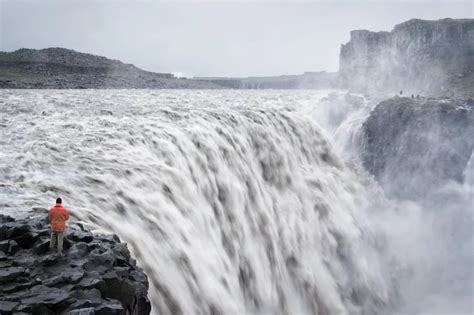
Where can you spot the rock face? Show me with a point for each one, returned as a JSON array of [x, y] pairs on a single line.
[[414, 146], [61, 68], [417, 56], [96, 275]]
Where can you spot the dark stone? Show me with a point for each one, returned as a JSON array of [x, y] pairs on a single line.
[[41, 247], [26, 240], [25, 261], [81, 307], [8, 274], [110, 309], [5, 218], [111, 238], [7, 307], [49, 260], [54, 281], [91, 283], [80, 236], [116, 287], [78, 250], [92, 295], [4, 246], [102, 261], [75, 276], [45, 232], [13, 247], [138, 276], [94, 275], [45, 297], [413, 147], [18, 230], [17, 287]]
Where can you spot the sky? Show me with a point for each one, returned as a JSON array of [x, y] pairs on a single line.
[[220, 38]]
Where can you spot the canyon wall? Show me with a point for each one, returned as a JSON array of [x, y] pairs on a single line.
[[416, 57]]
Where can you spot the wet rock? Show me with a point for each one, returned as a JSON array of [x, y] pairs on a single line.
[[80, 236], [93, 295], [17, 287], [412, 147], [55, 281], [8, 274], [91, 283], [82, 307], [76, 276], [96, 275], [13, 247], [78, 250], [45, 297], [41, 247], [26, 240], [7, 307], [4, 246], [25, 261], [110, 309], [49, 260], [5, 218]]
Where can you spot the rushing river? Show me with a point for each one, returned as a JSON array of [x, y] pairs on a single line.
[[231, 201]]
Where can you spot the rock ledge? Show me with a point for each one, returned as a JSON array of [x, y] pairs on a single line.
[[96, 275]]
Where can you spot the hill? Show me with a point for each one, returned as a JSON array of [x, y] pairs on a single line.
[[61, 68]]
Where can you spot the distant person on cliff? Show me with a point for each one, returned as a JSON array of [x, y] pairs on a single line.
[[57, 217]]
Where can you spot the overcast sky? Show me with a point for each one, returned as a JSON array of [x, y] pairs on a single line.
[[210, 38]]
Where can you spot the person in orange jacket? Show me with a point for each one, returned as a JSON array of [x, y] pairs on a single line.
[[57, 217]]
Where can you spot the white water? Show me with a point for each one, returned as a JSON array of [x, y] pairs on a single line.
[[231, 201]]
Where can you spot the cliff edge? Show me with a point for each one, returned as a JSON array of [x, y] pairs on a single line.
[[414, 146], [417, 56], [96, 275]]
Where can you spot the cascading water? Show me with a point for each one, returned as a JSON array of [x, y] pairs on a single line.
[[232, 201]]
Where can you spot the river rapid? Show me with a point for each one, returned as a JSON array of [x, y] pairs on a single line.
[[233, 202]]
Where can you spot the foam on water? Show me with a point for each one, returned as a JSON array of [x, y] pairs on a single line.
[[231, 201]]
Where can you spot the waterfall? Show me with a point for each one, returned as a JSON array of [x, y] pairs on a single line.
[[231, 201]]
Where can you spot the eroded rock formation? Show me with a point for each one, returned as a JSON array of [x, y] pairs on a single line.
[[414, 146], [417, 56], [96, 275]]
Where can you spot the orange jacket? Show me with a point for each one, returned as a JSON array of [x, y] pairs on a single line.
[[58, 216]]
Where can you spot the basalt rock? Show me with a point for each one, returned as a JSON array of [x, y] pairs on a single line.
[[413, 147], [98, 279]]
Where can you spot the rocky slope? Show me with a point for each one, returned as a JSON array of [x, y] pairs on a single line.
[[61, 68], [417, 56], [415, 146], [96, 275]]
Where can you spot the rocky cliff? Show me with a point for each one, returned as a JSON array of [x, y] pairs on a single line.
[[60, 68], [96, 275], [415, 146], [417, 56]]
